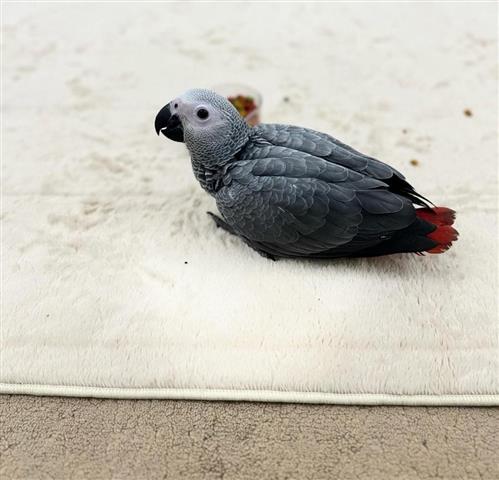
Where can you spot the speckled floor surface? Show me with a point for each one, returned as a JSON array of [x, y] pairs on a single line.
[[62, 438]]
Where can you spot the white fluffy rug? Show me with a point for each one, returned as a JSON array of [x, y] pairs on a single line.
[[115, 281]]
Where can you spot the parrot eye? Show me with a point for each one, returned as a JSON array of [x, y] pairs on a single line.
[[175, 106], [202, 113]]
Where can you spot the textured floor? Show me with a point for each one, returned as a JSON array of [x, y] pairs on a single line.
[[59, 438]]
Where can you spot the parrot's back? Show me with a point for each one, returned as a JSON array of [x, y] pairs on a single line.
[[295, 192]]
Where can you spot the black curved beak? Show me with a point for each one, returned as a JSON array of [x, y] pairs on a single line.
[[169, 125]]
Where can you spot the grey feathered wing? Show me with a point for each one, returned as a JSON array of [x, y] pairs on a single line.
[[331, 149], [289, 203]]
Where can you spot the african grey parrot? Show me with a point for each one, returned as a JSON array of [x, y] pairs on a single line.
[[289, 191]]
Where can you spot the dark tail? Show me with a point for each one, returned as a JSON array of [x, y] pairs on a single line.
[[431, 232]]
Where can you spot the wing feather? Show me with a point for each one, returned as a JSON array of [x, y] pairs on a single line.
[[290, 202], [331, 149]]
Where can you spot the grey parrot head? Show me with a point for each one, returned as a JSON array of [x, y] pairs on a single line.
[[209, 125]]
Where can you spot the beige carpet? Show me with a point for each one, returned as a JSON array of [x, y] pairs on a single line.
[[62, 438]]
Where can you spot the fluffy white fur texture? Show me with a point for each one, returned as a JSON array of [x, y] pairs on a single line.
[[115, 281]]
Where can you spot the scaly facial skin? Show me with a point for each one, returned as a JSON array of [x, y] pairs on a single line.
[[208, 124]]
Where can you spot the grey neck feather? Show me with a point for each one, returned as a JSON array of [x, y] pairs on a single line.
[[212, 153]]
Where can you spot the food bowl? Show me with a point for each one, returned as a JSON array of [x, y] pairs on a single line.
[[247, 100]]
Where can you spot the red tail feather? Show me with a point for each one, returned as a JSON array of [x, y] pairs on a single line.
[[444, 234], [438, 216]]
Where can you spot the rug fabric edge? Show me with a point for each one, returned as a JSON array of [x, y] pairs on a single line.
[[477, 400]]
